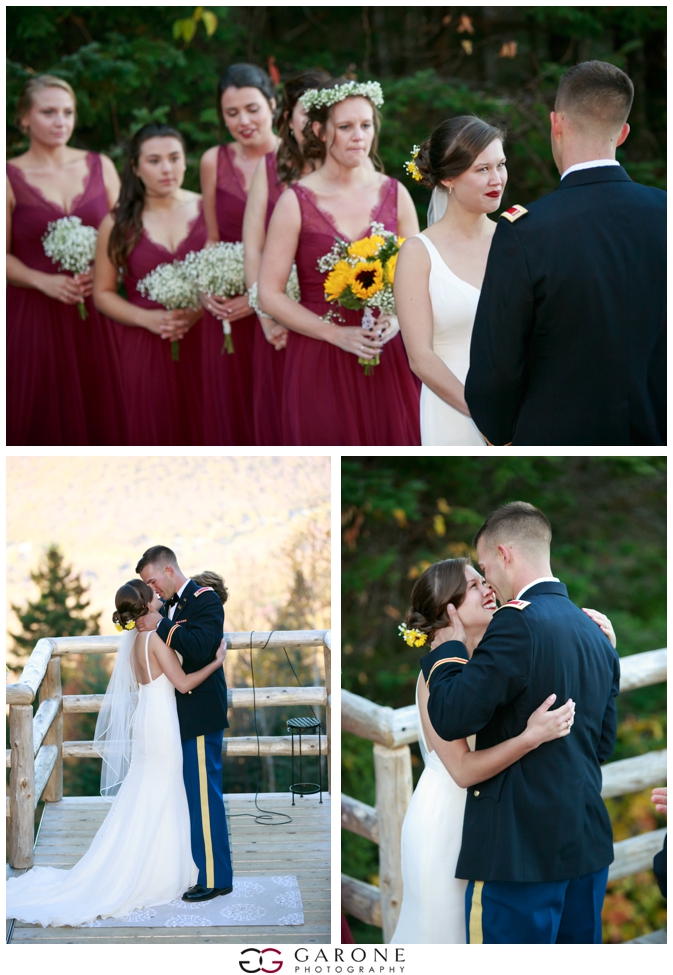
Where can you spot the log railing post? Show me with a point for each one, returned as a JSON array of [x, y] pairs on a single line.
[[327, 657], [21, 787], [392, 770], [51, 688]]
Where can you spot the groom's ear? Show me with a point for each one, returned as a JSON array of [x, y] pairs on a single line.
[[505, 554]]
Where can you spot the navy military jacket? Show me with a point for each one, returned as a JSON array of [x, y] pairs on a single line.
[[196, 632], [541, 819], [569, 338]]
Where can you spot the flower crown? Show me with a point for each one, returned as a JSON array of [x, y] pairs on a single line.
[[128, 626], [411, 166], [413, 638], [321, 97]]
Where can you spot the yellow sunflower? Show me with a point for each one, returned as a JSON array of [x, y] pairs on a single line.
[[338, 280], [366, 246], [367, 279], [391, 264]]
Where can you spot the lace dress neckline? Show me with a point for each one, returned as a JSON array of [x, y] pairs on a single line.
[[190, 227], [330, 217], [76, 200]]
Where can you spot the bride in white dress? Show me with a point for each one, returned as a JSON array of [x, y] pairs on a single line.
[[433, 907], [141, 856], [440, 271]]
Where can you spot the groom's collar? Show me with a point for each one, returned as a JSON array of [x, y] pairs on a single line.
[[545, 588], [535, 582]]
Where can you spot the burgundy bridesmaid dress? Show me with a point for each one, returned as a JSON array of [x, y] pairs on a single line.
[[268, 364], [227, 379], [63, 386], [327, 398], [163, 398]]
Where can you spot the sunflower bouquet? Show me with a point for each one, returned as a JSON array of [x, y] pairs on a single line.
[[360, 276]]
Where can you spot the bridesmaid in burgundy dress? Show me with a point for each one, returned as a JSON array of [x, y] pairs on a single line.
[[156, 222], [328, 400], [247, 102], [62, 373], [272, 175]]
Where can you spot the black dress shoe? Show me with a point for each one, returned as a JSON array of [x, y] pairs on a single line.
[[199, 893]]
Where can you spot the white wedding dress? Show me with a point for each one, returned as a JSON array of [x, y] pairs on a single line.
[[433, 900], [454, 306], [141, 856]]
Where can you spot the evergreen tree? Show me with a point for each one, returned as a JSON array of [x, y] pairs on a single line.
[[60, 608]]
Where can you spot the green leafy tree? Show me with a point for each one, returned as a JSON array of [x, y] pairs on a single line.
[[60, 608]]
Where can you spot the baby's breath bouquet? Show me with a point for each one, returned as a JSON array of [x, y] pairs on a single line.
[[71, 245], [291, 290], [218, 271], [172, 286], [360, 276]]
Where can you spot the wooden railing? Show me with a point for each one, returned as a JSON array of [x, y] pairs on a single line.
[[35, 758], [393, 730]]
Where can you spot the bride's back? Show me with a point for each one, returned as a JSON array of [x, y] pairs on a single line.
[[144, 664]]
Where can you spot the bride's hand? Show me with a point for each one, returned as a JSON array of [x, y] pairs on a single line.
[[545, 725], [604, 623], [149, 621], [221, 654]]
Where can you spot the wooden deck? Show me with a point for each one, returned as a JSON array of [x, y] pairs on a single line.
[[301, 847]]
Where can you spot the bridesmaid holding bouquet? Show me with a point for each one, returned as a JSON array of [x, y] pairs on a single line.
[[328, 399], [156, 222], [247, 103], [62, 372]]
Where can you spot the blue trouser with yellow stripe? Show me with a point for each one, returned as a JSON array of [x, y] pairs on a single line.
[[560, 912], [202, 772]]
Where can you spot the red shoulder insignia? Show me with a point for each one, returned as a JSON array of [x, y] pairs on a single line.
[[514, 213], [514, 604], [204, 589]]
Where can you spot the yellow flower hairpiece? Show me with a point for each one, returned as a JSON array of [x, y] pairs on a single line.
[[129, 626], [411, 166], [413, 638]]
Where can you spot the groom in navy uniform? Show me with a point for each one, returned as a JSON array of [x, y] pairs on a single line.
[[537, 839], [569, 341], [191, 622]]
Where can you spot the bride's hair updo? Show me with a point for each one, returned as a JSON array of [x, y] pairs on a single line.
[[453, 147], [132, 600], [443, 583], [315, 148]]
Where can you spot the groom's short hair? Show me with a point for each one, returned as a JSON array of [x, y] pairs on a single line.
[[597, 93], [516, 522], [159, 555]]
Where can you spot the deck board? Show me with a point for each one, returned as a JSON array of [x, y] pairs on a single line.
[[301, 847]]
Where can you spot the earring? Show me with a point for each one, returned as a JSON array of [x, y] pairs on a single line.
[[449, 189]]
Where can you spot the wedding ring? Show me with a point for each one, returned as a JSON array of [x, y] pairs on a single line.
[[362, 348]]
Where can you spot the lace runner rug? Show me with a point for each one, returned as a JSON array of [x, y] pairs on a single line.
[[254, 900]]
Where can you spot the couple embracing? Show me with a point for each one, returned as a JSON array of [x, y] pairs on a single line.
[[532, 864], [159, 733]]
